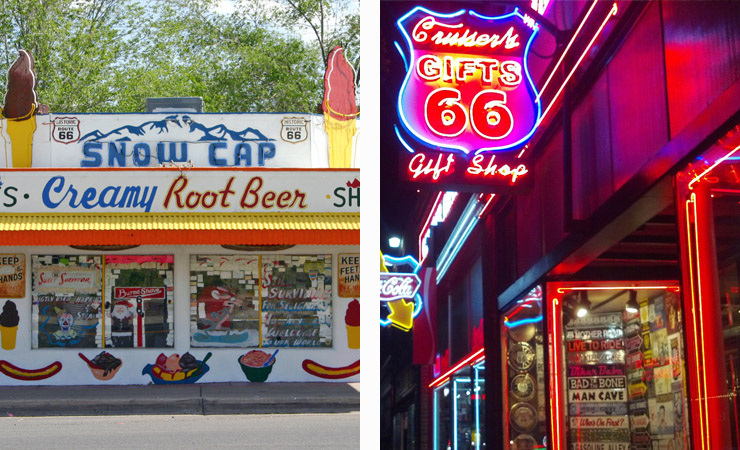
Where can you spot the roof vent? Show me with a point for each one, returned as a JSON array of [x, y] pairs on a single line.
[[174, 104]]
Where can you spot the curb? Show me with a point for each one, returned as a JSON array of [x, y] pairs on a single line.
[[200, 399]]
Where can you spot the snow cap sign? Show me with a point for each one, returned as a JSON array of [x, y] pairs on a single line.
[[468, 87]]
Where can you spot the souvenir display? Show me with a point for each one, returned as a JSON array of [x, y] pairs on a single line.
[[523, 416], [523, 386], [624, 376], [523, 333], [521, 356], [525, 373], [596, 383]]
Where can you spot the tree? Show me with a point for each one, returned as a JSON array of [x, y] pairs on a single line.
[[76, 45], [329, 22], [109, 55]]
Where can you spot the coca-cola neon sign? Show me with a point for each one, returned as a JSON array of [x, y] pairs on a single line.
[[398, 285], [467, 87], [399, 292]]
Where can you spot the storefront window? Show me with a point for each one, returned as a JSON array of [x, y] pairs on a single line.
[[442, 420], [525, 426], [618, 373], [260, 300], [67, 301], [709, 199], [72, 308], [140, 297], [459, 403]]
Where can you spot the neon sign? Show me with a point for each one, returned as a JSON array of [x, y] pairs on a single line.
[[467, 88], [499, 171], [394, 286], [437, 215], [399, 292]]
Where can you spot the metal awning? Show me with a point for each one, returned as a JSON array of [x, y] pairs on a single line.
[[172, 229]]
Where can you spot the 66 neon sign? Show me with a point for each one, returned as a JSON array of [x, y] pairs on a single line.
[[467, 87]]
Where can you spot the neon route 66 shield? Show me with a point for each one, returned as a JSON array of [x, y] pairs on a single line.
[[468, 87]]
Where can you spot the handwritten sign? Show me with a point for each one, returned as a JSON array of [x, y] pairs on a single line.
[[349, 275], [296, 301], [50, 280], [12, 275], [143, 292]]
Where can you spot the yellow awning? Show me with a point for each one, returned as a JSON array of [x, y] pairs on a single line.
[[158, 229]]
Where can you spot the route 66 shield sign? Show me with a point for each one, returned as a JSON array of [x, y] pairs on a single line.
[[294, 129], [66, 129], [468, 87]]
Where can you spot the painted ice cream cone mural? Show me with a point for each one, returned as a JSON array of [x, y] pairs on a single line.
[[352, 320], [340, 108], [8, 325], [20, 106]]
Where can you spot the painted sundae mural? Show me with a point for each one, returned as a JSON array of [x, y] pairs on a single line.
[[176, 369], [104, 366]]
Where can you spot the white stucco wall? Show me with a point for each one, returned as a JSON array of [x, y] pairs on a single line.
[[223, 364]]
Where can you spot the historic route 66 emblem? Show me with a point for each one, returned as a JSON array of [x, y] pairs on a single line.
[[66, 129], [294, 129]]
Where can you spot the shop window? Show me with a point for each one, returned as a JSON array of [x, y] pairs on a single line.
[[709, 214], [139, 301], [71, 308], [459, 404], [523, 365], [67, 301], [442, 417], [260, 300], [617, 368]]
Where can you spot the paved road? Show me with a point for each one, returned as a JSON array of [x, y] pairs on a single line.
[[273, 431]]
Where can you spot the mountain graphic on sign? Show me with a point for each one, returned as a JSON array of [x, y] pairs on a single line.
[[201, 132]]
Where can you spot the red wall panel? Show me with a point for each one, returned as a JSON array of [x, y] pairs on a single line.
[[639, 123], [591, 151], [702, 42], [549, 169]]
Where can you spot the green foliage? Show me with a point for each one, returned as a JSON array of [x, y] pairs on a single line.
[[109, 55], [140, 278], [328, 22]]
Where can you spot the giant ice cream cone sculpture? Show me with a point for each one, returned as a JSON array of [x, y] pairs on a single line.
[[20, 106], [340, 108]]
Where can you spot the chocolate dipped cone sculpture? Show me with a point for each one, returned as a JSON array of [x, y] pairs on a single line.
[[21, 104], [340, 108]]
